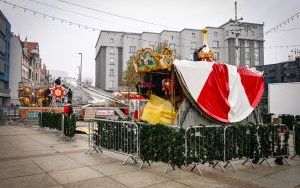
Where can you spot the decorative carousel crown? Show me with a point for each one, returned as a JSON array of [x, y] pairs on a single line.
[[146, 59], [204, 53]]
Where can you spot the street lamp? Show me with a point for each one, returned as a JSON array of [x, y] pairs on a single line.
[[236, 31], [80, 68]]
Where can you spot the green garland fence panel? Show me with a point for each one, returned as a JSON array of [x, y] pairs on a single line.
[[241, 142], [204, 144], [54, 121], [116, 136], [297, 138], [161, 143]]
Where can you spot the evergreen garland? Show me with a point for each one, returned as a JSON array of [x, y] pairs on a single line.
[[288, 120], [162, 143], [204, 145], [297, 138], [70, 126], [53, 121]]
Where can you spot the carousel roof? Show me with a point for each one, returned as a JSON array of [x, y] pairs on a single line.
[[224, 92]]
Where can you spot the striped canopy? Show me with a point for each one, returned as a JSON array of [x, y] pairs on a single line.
[[224, 92]]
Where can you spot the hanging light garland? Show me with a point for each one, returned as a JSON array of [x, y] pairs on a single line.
[[82, 26], [49, 16]]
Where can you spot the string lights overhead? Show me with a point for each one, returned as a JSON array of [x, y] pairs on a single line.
[[124, 34], [285, 22], [49, 16]]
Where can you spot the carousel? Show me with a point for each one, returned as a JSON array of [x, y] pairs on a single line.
[[203, 91], [36, 98]]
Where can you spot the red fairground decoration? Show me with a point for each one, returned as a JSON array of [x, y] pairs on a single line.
[[226, 93], [57, 92]]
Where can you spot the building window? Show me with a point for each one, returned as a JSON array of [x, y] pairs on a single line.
[[217, 56], [256, 44], [193, 45], [256, 56], [172, 37], [111, 84], [173, 46], [246, 43], [193, 35], [216, 44], [227, 33], [247, 33], [111, 72], [247, 63], [132, 49], [112, 51], [252, 33], [111, 40], [111, 60], [215, 34], [247, 55]]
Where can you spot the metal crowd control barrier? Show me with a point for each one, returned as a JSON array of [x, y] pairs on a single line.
[[60, 128], [92, 135], [296, 139], [9, 114], [237, 144], [169, 164], [201, 142], [116, 136], [279, 144]]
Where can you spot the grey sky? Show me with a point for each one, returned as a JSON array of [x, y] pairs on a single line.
[[60, 42]]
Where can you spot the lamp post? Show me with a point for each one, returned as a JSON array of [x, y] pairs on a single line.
[[80, 68], [236, 31]]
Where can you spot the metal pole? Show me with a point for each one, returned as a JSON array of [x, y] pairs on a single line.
[[80, 69], [236, 37]]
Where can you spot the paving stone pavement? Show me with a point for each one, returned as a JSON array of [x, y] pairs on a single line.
[[33, 157]]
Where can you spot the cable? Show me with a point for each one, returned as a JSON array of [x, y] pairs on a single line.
[[49, 16], [81, 14], [294, 16], [124, 33], [116, 15]]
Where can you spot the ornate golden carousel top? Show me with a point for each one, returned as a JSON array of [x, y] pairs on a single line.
[[146, 60]]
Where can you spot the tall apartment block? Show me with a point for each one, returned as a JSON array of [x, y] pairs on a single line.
[[113, 49], [4, 60]]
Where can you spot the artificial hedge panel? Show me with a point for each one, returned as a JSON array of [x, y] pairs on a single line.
[[297, 138], [288, 120], [70, 126], [53, 121], [204, 144], [162, 143], [117, 136]]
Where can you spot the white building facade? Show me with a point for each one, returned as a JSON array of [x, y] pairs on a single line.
[[113, 49]]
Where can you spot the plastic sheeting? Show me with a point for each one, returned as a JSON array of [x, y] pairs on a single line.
[[158, 111]]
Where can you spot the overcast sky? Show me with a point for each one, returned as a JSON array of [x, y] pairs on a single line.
[[60, 42]]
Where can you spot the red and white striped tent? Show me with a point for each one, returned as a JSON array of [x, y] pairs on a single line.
[[224, 92]]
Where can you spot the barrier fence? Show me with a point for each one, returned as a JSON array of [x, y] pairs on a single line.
[[215, 145], [296, 139], [116, 136], [8, 114], [58, 121]]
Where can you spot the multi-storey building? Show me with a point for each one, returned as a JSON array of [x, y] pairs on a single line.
[[26, 66], [113, 49], [288, 71], [4, 59]]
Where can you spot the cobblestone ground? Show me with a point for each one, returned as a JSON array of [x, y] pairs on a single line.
[[33, 157]]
